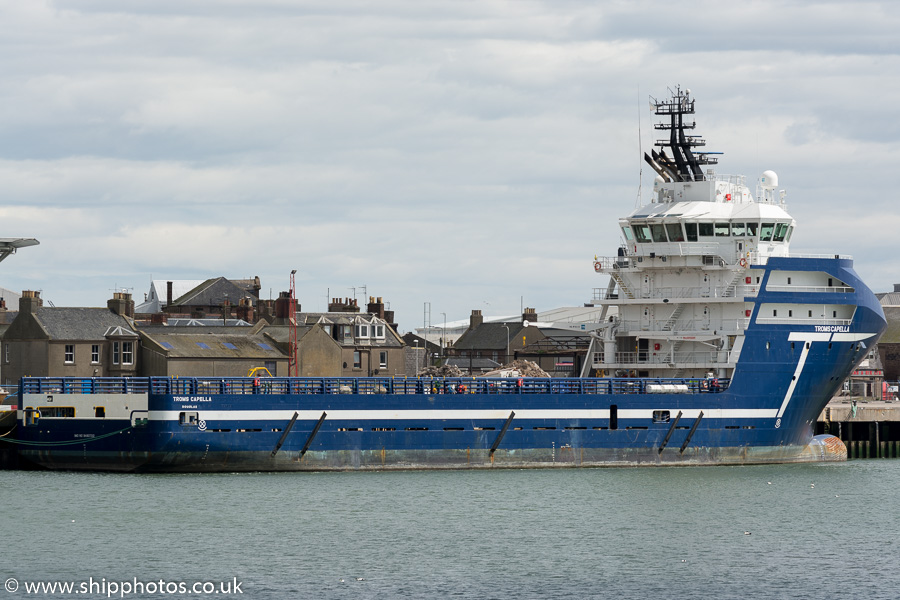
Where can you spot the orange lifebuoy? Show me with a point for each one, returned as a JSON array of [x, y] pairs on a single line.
[[743, 262], [597, 266]]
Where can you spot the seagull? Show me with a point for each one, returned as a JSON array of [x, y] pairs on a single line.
[[769, 482], [340, 580], [747, 533], [360, 579]]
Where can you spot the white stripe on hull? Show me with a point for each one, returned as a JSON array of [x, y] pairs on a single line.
[[446, 415]]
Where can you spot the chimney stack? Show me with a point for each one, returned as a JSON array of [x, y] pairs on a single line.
[[121, 304], [475, 319], [346, 305], [375, 307], [245, 309], [168, 293], [30, 301], [529, 315], [283, 305]]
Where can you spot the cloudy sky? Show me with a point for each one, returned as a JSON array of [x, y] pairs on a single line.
[[466, 154]]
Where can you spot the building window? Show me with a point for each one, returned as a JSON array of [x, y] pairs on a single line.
[[70, 354], [357, 360], [379, 331], [115, 353], [382, 359], [127, 353], [95, 354], [362, 331]]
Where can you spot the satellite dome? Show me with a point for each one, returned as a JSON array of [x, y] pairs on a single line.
[[769, 180]]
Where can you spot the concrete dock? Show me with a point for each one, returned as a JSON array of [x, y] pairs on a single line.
[[869, 428]]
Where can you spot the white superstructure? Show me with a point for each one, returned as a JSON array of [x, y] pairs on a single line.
[[683, 276]]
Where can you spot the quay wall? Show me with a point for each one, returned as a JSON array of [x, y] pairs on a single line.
[[868, 429]]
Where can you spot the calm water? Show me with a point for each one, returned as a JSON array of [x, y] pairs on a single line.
[[590, 533]]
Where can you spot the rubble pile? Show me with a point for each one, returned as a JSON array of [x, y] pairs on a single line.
[[523, 368], [442, 371]]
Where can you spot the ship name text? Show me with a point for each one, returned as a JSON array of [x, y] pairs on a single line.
[[192, 398]]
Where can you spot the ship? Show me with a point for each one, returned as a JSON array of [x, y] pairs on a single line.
[[716, 346]]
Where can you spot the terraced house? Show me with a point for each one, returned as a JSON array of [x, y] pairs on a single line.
[[45, 341]]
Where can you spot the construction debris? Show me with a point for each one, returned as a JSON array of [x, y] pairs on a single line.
[[442, 371], [518, 368]]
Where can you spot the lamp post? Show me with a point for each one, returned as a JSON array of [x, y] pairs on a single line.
[[506, 360], [444, 335]]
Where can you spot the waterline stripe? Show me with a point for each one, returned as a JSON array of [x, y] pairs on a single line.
[[440, 415]]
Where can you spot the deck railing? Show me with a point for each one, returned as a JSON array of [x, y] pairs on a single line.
[[200, 386]]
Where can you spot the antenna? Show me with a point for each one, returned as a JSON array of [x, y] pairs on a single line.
[[640, 152]]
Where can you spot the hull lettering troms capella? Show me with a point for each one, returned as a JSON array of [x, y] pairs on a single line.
[[715, 345]]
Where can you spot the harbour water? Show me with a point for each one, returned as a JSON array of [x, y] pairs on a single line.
[[784, 531]]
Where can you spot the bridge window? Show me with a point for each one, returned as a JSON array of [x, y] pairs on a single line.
[[659, 233], [751, 229], [706, 229], [780, 232], [691, 230], [766, 231], [675, 233], [626, 231], [738, 229], [642, 233], [722, 229]]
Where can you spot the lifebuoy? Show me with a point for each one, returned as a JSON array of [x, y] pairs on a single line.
[[597, 266], [743, 262]]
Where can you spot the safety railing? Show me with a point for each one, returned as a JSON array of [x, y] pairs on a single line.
[[191, 386], [84, 385]]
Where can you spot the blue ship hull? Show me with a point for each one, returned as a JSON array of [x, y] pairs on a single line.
[[785, 376]]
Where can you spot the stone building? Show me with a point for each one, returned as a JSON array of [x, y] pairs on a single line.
[[46, 341]]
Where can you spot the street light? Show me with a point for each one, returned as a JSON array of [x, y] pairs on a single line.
[[444, 335], [507, 343]]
